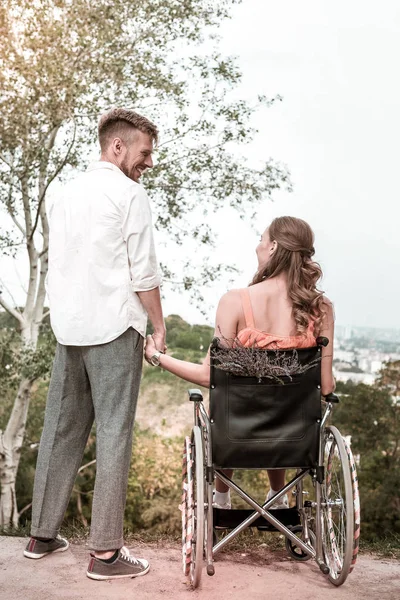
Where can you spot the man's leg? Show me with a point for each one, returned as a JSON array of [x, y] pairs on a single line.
[[68, 420], [114, 371]]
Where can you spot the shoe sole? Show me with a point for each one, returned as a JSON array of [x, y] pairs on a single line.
[[36, 556], [105, 577]]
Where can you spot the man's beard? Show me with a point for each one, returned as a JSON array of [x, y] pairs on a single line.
[[126, 171]]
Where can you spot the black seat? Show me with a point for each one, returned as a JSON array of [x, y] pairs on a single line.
[[265, 422]]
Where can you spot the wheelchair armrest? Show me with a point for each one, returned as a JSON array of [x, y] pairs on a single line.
[[333, 398], [195, 395]]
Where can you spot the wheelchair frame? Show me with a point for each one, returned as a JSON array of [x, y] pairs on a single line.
[[333, 545]]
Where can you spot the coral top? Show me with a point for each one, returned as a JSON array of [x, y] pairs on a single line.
[[250, 336]]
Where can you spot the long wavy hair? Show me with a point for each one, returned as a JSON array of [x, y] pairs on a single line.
[[293, 256]]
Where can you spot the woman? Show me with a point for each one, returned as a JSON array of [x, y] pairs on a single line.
[[282, 308]]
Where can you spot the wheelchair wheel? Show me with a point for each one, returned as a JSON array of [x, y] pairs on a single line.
[[193, 507], [356, 505], [337, 508], [295, 551]]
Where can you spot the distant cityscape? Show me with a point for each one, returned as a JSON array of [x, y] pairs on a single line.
[[360, 352]]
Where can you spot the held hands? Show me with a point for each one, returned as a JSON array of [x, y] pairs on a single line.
[[150, 348], [154, 343], [159, 341]]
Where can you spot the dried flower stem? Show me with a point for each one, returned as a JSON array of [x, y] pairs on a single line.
[[253, 361]]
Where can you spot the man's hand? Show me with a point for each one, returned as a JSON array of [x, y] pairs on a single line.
[[152, 304], [159, 341], [151, 348]]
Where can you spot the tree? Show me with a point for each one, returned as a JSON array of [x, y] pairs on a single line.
[[62, 63], [371, 415]]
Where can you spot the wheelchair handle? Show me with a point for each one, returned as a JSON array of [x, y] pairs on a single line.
[[195, 395], [332, 398]]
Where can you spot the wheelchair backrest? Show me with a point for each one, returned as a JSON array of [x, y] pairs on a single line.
[[260, 421]]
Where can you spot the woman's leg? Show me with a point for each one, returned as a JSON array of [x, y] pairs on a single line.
[[276, 478], [220, 486]]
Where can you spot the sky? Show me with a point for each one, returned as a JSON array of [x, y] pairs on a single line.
[[337, 129]]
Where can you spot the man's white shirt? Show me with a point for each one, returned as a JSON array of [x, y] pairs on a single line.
[[101, 252]]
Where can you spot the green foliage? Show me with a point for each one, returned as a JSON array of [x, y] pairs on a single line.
[[154, 487], [18, 360], [183, 336], [157, 509], [26, 471], [8, 340], [63, 63], [363, 414], [7, 322], [371, 415]]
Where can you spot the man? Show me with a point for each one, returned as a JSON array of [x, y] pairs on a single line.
[[102, 281]]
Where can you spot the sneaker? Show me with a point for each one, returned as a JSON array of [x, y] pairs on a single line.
[[123, 566], [38, 549], [224, 506], [282, 502]]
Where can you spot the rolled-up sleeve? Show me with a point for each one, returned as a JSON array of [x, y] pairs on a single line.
[[137, 231]]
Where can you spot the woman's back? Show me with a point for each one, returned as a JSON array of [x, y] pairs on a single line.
[[282, 307], [262, 316], [266, 318]]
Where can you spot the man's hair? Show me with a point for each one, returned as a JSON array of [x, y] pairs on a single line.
[[121, 122]]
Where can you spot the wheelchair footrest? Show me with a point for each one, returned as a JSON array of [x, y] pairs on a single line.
[[229, 519]]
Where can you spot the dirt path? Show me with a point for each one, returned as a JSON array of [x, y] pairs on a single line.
[[238, 577]]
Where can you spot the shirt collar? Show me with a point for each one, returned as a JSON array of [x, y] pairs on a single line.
[[104, 164]]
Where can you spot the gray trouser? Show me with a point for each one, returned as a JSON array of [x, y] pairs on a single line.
[[89, 383]]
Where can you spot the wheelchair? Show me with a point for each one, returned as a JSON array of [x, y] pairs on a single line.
[[259, 422]]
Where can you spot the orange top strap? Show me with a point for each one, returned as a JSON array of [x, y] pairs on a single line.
[[247, 308]]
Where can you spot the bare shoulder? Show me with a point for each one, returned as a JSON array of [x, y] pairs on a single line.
[[227, 315], [230, 301], [230, 296], [329, 312], [328, 304]]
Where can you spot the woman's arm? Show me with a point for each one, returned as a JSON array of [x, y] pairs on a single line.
[[199, 374], [327, 330], [225, 325]]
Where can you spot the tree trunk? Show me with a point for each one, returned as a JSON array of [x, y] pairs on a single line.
[[10, 451], [29, 323]]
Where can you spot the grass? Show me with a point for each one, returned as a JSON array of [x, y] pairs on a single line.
[[20, 531], [386, 547], [251, 541]]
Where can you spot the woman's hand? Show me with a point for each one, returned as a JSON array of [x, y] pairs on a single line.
[[150, 348], [199, 374]]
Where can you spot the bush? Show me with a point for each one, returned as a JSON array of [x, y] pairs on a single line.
[[154, 488], [371, 416]]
